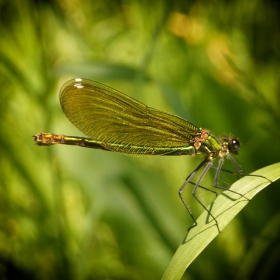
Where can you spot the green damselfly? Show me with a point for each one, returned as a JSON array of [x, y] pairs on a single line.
[[118, 123]]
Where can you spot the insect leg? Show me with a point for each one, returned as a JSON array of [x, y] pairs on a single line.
[[197, 185]]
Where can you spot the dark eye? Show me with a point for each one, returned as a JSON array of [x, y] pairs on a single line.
[[234, 145]]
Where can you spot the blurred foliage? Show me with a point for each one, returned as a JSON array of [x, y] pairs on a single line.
[[71, 213]]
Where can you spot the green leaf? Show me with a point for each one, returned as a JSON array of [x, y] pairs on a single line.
[[224, 208]]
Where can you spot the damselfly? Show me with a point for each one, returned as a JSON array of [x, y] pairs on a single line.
[[118, 123]]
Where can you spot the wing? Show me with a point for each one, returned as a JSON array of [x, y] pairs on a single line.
[[107, 115]]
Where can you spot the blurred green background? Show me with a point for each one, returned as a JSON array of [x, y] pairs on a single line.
[[72, 213]]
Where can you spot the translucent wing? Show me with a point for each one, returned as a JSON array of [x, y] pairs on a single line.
[[107, 115]]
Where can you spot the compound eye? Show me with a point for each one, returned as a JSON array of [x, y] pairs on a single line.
[[234, 145]]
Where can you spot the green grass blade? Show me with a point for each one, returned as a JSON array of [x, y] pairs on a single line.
[[224, 208]]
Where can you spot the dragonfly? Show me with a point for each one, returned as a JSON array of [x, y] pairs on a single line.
[[116, 122]]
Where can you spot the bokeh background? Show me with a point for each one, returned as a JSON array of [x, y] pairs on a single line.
[[73, 213]]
